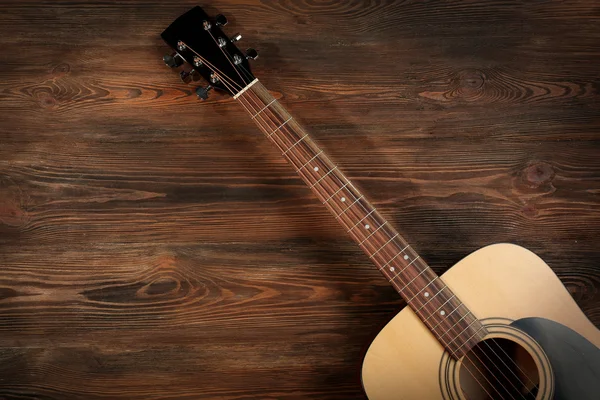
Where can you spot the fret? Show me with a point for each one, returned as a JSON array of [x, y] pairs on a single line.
[[425, 287], [375, 231], [336, 192], [264, 108], [409, 264], [309, 161], [323, 177], [280, 126], [353, 187], [294, 145], [456, 323], [440, 307], [347, 208], [361, 220], [393, 258], [469, 338], [412, 280], [381, 248], [461, 332], [434, 296], [448, 316]]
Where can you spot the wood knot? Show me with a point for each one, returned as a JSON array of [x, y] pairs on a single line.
[[162, 286], [45, 99], [48, 102], [471, 80], [580, 287], [61, 70], [530, 211], [465, 85], [538, 174]]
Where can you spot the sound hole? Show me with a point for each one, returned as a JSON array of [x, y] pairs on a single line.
[[498, 368]]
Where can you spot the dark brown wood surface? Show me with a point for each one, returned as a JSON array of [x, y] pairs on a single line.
[[156, 247]]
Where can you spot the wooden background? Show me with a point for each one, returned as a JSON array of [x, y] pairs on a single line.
[[156, 247]]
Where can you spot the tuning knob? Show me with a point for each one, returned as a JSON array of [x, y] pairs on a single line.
[[202, 92], [186, 76], [236, 38], [251, 54], [221, 20], [173, 60]]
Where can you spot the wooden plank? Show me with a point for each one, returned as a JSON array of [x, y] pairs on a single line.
[[154, 246]]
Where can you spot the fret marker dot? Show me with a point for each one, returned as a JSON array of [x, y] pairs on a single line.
[[316, 169], [343, 199], [442, 312], [426, 294], [406, 257], [392, 269], [367, 226]]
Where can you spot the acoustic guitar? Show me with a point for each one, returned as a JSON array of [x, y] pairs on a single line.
[[497, 325]]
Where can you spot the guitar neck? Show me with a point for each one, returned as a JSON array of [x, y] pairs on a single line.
[[446, 316]]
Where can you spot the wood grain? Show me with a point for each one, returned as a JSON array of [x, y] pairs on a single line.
[[152, 246]]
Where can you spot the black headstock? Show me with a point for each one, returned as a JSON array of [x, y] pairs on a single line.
[[199, 41]]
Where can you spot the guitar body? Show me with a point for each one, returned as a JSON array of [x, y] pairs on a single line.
[[504, 285]]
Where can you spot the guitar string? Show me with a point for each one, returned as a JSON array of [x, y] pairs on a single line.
[[312, 146], [315, 149], [216, 70], [245, 71], [257, 98], [241, 66], [230, 58], [277, 144], [225, 53], [263, 127], [261, 103], [501, 349], [487, 344], [496, 354], [466, 356], [468, 369], [265, 130], [499, 357]]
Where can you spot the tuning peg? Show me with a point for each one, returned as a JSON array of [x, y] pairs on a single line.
[[251, 54], [173, 60], [236, 38], [202, 92], [221, 20], [186, 76]]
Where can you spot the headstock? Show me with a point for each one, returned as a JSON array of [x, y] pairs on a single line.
[[200, 43]]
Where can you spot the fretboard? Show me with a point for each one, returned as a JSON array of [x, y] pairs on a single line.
[[455, 327]]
